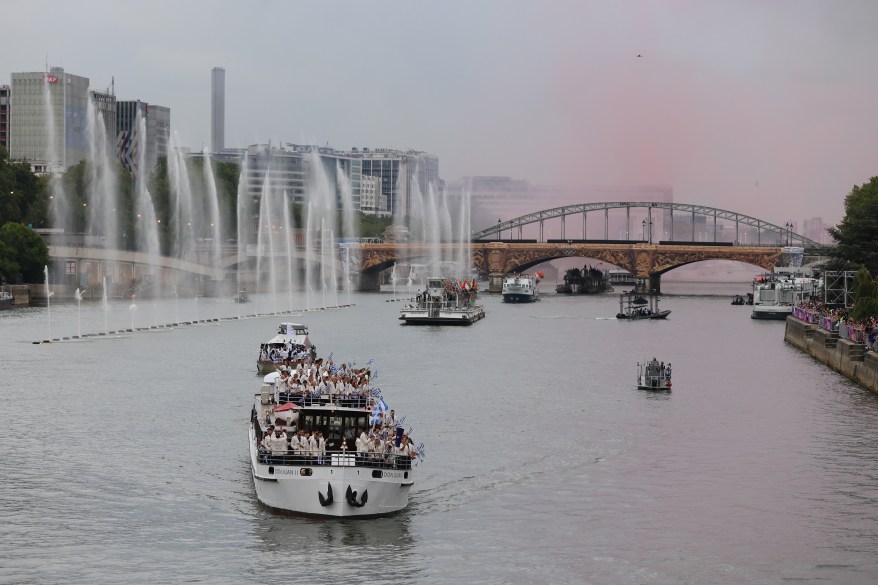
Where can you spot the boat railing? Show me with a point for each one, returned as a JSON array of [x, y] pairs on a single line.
[[339, 458], [361, 401], [459, 302]]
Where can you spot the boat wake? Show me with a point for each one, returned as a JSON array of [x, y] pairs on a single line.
[[456, 493]]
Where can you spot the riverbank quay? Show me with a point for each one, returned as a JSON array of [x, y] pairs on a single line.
[[847, 357], [20, 294]]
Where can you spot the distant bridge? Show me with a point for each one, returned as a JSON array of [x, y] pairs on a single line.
[[681, 227], [646, 261], [763, 244]]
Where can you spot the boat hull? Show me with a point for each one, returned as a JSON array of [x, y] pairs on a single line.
[[776, 313], [520, 298], [285, 487], [427, 317], [659, 315]]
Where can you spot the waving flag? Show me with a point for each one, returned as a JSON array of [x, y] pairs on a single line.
[[377, 410]]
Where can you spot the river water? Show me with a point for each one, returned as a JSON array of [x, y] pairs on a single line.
[[123, 459]]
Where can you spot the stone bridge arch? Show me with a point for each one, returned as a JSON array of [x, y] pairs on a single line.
[[646, 261]]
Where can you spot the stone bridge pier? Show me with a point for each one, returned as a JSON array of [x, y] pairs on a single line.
[[370, 282]]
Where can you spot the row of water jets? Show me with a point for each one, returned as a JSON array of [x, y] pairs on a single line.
[[284, 274]]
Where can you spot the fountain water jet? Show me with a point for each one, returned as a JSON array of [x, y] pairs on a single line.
[[146, 226], [216, 220], [243, 213], [106, 306], [349, 225], [182, 215], [289, 234], [78, 296], [102, 185], [48, 300]]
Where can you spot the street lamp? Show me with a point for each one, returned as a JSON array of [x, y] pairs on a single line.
[[647, 236]]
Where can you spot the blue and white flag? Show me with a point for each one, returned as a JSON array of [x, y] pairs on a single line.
[[377, 410]]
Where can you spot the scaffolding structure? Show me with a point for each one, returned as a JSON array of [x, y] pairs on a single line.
[[838, 288]]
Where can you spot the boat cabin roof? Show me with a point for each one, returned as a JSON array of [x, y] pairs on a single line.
[[292, 329]]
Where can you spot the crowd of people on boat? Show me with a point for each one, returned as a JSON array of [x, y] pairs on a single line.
[[460, 293], [384, 445], [307, 378], [285, 353], [657, 368], [835, 318]]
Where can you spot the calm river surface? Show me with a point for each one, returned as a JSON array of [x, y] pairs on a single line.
[[124, 459]]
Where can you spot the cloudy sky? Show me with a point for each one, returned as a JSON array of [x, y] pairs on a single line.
[[767, 108]]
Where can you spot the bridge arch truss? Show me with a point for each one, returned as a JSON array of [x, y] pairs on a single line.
[[766, 233]]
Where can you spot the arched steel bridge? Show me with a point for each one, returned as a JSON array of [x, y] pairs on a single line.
[[765, 233]]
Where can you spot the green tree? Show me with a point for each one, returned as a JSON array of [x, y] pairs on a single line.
[[372, 226], [74, 183], [160, 191], [857, 234], [9, 267], [29, 250], [865, 295], [20, 191], [227, 175]]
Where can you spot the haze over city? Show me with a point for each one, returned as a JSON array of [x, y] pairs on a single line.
[[762, 108]]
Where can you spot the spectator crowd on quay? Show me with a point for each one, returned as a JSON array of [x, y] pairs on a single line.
[[838, 319]]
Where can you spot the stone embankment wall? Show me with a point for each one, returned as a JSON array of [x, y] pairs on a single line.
[[845, 357], [20, 294]]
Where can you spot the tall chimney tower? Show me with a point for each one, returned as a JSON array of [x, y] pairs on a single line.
[[217, 109]]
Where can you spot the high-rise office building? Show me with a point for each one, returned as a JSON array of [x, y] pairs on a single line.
[[815, 229], [372, 201], [399, 171], [48, 117], [217, 109], [105, 107], [4, 117], [157, 125]]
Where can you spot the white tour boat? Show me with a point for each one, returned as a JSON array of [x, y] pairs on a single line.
[[277, 349], [521, 288], [775, 294], [444, 302], [338, 478]]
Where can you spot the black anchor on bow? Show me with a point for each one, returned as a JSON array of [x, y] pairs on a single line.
[[351, 497], [328, 499]]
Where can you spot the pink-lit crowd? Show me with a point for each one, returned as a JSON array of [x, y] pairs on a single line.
[[863, 331]]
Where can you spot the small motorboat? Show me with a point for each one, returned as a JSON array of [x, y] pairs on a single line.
[[633, 305], [654, 375]]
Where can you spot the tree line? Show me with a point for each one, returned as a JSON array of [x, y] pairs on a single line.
[[857, 246]]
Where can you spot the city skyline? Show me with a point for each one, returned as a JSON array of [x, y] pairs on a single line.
[[762, 109]]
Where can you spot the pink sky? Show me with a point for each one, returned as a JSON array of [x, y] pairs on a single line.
[[766, 108]]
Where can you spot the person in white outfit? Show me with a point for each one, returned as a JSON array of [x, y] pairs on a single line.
[[321, 449]]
